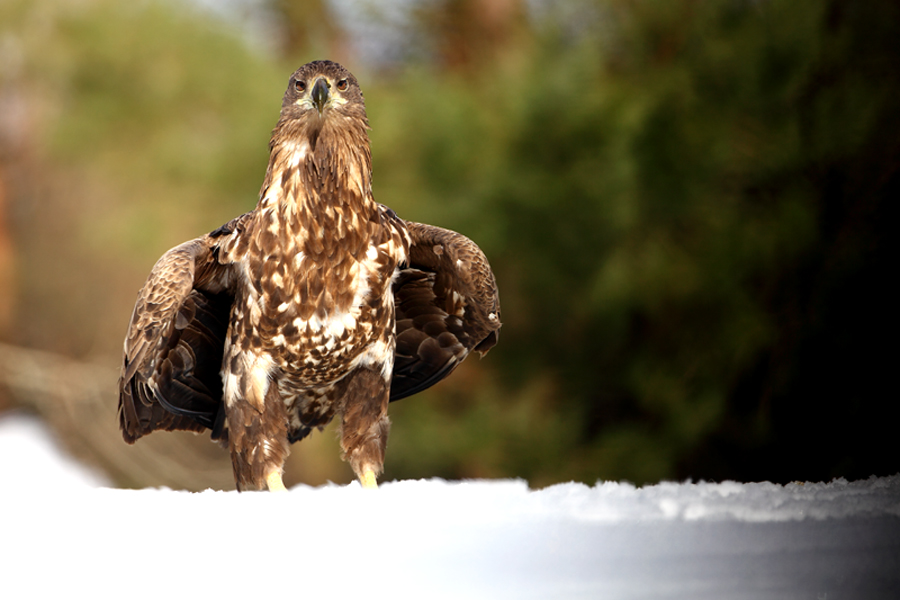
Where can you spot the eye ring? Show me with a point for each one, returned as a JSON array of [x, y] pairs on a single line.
[[342, 85], [299, 85]]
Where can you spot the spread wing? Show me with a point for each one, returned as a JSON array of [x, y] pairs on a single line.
[[170, 375], [447, 305]]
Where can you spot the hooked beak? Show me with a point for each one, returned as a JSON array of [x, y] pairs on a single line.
[[320, 94]]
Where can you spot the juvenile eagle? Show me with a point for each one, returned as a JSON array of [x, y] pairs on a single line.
[[318, 303]]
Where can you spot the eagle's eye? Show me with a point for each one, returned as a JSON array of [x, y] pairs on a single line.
[[300, 85], [343, 85]]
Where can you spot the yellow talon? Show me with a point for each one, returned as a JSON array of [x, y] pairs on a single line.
[[274, 482], [368, 480]]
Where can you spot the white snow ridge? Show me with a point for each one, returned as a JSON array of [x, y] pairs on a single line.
[[436, 539]]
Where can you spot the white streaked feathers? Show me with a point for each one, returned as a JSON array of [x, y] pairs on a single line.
[[297, 152], [258, 369], [379, 355]]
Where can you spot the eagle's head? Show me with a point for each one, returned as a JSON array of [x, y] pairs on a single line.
[[319, 92], [322, 133]]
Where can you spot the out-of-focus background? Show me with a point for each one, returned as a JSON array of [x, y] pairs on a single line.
[[687, 206]]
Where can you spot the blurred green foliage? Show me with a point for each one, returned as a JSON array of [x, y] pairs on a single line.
[[669, 208], [686, 205], [145, 125]]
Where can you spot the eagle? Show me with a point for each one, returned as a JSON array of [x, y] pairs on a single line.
[[319, 303]]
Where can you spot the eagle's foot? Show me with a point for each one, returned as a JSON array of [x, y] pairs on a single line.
[[367, 480], [274, 482]]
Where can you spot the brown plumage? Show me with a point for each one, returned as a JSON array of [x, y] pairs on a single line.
[[318, 303]]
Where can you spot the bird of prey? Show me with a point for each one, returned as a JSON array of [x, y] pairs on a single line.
[[319, 303]]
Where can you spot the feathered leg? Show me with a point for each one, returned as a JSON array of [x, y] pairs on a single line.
[[257, 426], [365, 425]]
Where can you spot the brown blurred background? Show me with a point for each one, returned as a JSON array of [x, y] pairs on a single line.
[[687, 205]]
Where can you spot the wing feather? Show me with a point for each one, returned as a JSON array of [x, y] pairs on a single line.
[[173, 351], [447, 305]]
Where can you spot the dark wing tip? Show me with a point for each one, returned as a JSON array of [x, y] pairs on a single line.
[[485, 345]]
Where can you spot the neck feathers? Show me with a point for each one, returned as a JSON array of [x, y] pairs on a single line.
[[319, 184], [315, 163]]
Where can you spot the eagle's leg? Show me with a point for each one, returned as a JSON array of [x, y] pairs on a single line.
[[274, 482], [257, 431], [367, 480], [365, 425]]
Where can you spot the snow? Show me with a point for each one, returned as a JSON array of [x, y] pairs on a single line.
[[46, 465], [64, 531]]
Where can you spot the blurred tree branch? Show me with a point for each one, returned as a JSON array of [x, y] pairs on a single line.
[[78, 401]]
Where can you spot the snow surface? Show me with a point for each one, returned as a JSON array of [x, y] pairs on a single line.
[[62, 533]]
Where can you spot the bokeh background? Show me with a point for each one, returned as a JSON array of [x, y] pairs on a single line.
[[688, 206]]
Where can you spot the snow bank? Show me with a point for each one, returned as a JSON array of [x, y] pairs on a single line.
[[436, 539], [30, 457]]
